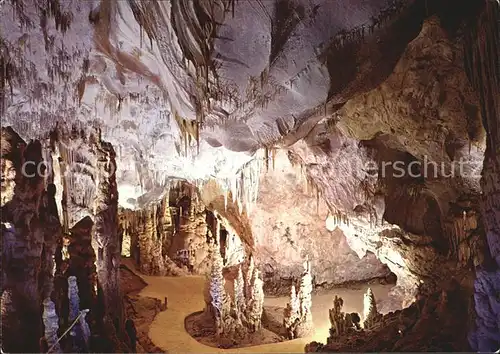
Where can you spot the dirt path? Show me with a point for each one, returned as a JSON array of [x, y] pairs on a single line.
[[185, 296]]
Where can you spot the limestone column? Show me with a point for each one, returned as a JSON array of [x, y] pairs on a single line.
[[106, 231]]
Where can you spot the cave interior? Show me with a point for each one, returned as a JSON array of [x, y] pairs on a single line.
[[263, 176]]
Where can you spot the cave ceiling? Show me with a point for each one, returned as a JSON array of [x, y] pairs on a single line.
[[193, 89]]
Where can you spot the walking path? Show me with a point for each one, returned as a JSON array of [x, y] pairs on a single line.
[[185, 296]]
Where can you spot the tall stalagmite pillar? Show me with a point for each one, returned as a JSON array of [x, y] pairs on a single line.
[[106, 231]]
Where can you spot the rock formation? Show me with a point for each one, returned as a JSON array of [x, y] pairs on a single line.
[[254, 302], [29, 233], [81, 261], [80, 330], [482, 64], [370, 313], [288, 220], [106, 231], [240, 314], [239, 292], [218, 296], [291, 315], [341, 323], [337, 318], [426, 325], [51, 325], [168, 236], [298, 316]]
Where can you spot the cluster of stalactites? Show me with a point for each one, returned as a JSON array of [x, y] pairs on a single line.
[[297, 315], [244, 185]]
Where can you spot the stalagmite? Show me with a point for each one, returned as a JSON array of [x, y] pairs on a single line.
[[235, 317], [74, 299], [255, 305], [305, 326], [248, 277], [337, 318], [239, 291], [217, 292], [80, 332], [370, 313], [51, 325], [298, 316]]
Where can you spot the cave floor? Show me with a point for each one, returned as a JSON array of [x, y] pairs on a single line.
[[185, 296]]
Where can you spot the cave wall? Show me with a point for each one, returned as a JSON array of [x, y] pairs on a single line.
[[30, 230], [41, 254], [289, 223], [426, 110], [483, 58]]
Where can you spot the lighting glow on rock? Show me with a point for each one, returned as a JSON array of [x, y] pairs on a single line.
[[330, 223]]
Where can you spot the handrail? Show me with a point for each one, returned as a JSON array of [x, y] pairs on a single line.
[[66, 332]]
